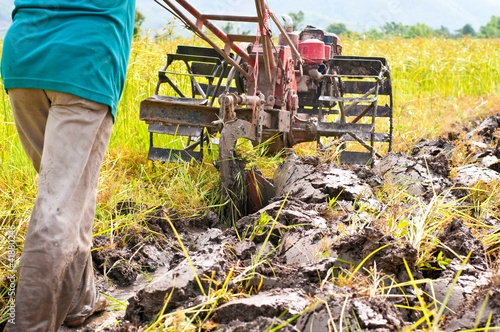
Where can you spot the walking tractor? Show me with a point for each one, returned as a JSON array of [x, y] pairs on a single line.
[[301, 89]]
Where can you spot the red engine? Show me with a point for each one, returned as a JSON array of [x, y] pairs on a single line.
[[316, 47], [312, 51]]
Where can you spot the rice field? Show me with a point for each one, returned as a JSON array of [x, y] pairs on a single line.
[[439, 85]]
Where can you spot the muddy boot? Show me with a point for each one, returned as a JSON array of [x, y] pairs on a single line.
[[101, 305]]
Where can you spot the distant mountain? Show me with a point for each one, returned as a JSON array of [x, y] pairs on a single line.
[[357, 15]]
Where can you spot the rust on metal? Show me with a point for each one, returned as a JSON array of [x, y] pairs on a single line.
[[235, 18], [212, 27], [200, 33], [184, 113]]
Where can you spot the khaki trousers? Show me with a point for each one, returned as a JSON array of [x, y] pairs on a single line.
[[65, 137]]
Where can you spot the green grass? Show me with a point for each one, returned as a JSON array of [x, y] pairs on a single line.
[[439, 85]]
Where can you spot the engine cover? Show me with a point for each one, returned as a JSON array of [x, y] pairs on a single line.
[[312, 51]]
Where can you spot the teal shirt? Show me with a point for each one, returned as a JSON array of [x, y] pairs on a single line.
[[80, 47]]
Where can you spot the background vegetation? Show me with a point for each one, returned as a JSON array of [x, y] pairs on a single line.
[[490, 30], [394, 29]]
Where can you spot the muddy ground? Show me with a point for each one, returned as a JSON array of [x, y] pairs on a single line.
[[297, 255]]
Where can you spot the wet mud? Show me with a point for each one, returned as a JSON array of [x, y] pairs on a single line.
[[317, 257]]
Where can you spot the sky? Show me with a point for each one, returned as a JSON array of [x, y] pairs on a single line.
[[358, 15]]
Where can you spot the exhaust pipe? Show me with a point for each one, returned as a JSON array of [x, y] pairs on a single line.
[[288, 23]]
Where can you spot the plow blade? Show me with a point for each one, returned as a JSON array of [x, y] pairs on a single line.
[[174, 156]]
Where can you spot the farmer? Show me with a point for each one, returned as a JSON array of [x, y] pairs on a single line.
[[63, 66]]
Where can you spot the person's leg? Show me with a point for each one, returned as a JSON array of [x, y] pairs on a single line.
[[85, 299], [55, 276], [30, 108]]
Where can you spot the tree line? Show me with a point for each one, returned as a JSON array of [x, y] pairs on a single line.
[[388, 30], [393, 29]]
